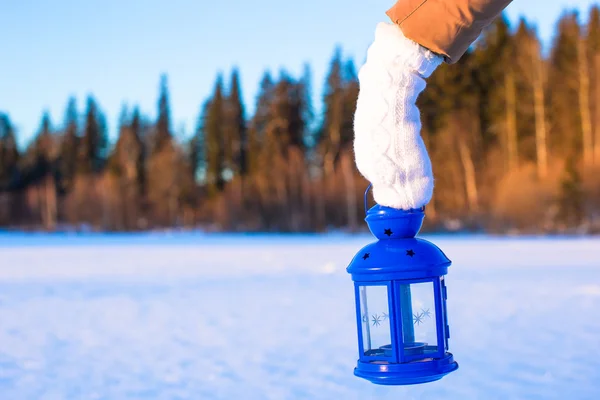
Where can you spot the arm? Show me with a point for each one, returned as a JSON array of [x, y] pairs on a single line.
[[446, 27], [388, 148]]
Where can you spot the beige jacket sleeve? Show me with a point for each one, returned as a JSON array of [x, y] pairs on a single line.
[[446, 27]]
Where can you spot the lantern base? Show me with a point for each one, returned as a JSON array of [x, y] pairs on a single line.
[[410, 373]]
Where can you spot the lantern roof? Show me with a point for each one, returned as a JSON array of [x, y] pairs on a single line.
[[397, 254]]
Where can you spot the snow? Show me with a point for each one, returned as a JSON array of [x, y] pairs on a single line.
[[199, 316]]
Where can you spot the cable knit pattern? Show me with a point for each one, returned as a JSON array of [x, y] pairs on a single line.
[[388, 147]]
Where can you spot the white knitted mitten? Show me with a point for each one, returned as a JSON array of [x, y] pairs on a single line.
[[388, 147]]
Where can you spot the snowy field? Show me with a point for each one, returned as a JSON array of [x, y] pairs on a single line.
[[193, 316]]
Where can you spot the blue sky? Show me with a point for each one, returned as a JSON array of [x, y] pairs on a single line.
[[117, 49]]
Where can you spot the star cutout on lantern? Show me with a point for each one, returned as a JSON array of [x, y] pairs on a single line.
[[365, 318], [376, 320], [418, 318], [425, 313], [384, 315], [388, 232], [410, 253], [365, 256]]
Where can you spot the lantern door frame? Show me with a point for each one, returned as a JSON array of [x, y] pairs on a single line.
[[394, 358], [444, 290], [441, 328]]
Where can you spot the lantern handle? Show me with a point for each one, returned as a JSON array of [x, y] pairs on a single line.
[[422, 209], [366, 200]]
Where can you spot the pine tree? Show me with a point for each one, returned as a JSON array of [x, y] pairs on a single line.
[[351, 87], [126, 165], [213, 132], [563, 88], [259, 123], [137, 131], [451, 129], [281, 155], [236, 140], [163, 123], [114, 160], [9, 154], [593, 53], [40, 152], [67, 162], [465, 129], [93, 144], [286, 115], [10, 179], [40, 171], [164, 170], [308, 112], [496, 78], [330, 133], [128, 157], [583, 69], [197, 148], [532, 116]]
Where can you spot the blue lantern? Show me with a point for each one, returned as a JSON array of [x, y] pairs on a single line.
[[400, 297]]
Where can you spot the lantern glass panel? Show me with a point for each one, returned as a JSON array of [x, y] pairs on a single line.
[[375, 321], [419, 330]]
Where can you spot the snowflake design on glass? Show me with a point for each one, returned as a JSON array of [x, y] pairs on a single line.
[[376, 320], [418, 318]]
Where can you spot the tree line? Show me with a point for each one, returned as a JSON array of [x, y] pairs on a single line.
[[513, 134]]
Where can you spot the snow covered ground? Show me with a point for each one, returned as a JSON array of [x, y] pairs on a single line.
[[193, 316]]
